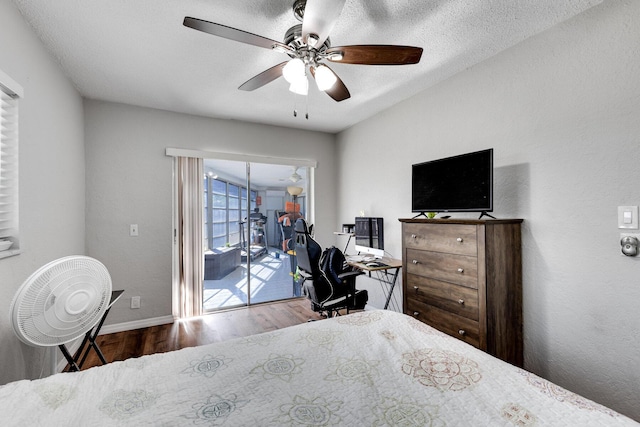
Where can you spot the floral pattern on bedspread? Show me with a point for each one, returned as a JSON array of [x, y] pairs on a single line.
[[283, 368], [563, 395], [215, 410], [54, 394], [123, 404], [406, 412], [517, 415], [316, 411], [441, 369], [373, 368], [207, 366]]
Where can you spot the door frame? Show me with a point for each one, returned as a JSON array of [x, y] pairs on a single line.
[[249, 158]]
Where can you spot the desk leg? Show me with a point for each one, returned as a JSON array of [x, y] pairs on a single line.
[[347, 245], [393, 285]]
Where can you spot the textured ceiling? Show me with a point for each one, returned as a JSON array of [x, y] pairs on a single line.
[[138, 52]]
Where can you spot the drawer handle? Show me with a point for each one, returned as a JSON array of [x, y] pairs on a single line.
[[415, 314], [414, 236], [462, 332], [459, 240], [416, 288], [461, 270], [415, 261], [461, 301]]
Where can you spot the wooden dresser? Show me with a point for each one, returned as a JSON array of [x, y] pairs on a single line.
[[464, 277]]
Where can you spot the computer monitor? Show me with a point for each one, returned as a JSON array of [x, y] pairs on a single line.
[[369, 234]]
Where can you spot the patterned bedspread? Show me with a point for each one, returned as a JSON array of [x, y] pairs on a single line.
[[373, 368]]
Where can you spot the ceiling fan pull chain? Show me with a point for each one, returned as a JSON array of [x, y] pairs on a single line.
[[306, 115], [295, 106]]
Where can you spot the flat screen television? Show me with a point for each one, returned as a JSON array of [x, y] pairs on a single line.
[[369, 234], [462, 183]]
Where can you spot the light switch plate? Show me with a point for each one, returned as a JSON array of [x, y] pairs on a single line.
[[628, 217]]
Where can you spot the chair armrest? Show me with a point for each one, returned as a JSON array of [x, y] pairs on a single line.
[[349, 274]]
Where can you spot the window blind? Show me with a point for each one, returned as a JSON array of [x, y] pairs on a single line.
[[9, 166]]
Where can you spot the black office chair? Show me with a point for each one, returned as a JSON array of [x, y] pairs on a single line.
[[327, 280]]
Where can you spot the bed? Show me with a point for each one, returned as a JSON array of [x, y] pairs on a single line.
[[372, 368]]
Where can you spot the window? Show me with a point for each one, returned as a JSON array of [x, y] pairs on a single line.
[[225, 203], [10, 92]]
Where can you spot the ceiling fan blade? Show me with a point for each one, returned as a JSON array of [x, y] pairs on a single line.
[[267, 76], [376, 54], [232, 33], [338, 91], [319, 18]]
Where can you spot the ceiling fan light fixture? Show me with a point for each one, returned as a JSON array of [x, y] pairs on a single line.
[[300, 86], [325, 78], [294, 70]]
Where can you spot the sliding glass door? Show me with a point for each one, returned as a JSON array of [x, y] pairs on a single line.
[[249, 209]]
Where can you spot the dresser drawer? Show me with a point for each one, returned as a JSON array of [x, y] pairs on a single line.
[[453, 298], [457, 326], [458, 269], [449, 238]]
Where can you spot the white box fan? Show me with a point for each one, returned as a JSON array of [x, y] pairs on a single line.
[[61, 302]]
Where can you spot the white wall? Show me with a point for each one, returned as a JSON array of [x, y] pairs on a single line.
[[129, 181], [561, 111], [51, 181]]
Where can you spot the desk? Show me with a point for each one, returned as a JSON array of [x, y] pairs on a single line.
[[386, 275], [90, 337]]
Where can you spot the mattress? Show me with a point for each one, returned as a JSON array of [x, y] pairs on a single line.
[[372, 368]]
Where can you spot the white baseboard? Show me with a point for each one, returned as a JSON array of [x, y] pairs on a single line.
[[136, 324]]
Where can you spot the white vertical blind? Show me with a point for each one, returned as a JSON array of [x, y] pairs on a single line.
[[190, 188], [9, 96]]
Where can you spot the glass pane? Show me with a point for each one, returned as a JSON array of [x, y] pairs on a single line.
[[219, 187], [220, 229], [219, 201], [219, 242], [219, 215], [229, 203], [234, 239]]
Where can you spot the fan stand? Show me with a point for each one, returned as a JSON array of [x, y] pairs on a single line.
[[72, 363], [61, 302], [76, 362]]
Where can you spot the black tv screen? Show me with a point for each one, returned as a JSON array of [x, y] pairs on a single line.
[[461, 183]]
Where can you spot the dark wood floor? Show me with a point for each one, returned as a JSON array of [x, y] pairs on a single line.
[[220, 326]]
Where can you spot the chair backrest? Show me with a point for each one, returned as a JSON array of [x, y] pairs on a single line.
[[308, 251], [332, 264]]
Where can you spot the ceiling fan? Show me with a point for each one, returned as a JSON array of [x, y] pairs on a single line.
[[308, 46], [294, 177]]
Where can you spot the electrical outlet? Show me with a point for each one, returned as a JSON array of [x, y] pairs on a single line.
[[135, 302]]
